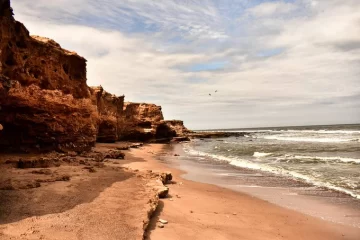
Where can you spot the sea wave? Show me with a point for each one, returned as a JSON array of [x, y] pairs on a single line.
[[250, 165], [309, 139], [339, 159], [261, 154], [321, 131], [325, 131]]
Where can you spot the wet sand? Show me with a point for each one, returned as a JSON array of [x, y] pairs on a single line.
[[286, 192], [205, 211]]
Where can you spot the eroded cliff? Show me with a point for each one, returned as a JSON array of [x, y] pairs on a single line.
[[110, 110], [44, 99], [46, 104]]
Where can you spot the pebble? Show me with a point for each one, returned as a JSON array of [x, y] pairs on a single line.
[[161, 225], [163, 221]]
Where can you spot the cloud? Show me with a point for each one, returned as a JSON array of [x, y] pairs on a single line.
[[273, 63], [267, 9]]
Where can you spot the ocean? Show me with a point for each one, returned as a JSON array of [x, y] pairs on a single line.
[[324, 156]]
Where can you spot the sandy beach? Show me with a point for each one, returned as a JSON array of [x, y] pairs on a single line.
[[117, 199]]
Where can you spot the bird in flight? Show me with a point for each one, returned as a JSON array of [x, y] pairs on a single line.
[[209, 94], [215, 90]]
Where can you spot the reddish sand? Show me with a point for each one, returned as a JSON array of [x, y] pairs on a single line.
[[202, 211]]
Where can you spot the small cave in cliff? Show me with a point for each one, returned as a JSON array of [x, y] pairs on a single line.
[[145, 124], [164, 131], [10, 60], [12, 138], [36, 73]]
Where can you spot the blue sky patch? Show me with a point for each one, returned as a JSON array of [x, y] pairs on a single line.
[[270, 52], [209, 66]]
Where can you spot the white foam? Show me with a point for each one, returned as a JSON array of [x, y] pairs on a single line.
[[325, 131], [261, 154], [341, 159], [294, 131], [250, 165], [308, 139]]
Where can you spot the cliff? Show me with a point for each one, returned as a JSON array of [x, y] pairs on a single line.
[[44, 99], [110, 110], [46, 104], [131, 121]]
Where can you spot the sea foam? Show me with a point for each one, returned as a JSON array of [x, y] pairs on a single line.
[[261, 154], [309, 139], [250, 165]]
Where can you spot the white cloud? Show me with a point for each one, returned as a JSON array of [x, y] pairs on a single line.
[[267, 9]]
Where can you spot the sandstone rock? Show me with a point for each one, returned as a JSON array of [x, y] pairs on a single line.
[[163, 191], [115, 154], [178, 127], [42, 171], [45, 101], [136, 145], [63, 178], [165, 177], [35, 163], [181, 139], [110, 110], [90, 169], [139, 121]]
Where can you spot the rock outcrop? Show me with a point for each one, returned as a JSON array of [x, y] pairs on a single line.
[[140, 121], [178, 127], [110, 110], [44, 99]]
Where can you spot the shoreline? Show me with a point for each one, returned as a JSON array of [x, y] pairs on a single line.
[[284, 191], [118, 199], [209, 211]]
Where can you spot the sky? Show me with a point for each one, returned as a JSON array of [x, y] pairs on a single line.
[[264, 62]]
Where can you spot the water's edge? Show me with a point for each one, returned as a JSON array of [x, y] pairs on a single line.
[[297, 195]]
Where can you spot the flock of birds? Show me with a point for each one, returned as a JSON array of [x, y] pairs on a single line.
[[215, 92]]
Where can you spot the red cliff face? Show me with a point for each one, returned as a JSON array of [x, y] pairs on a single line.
[[110, 110], [44, 99]]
